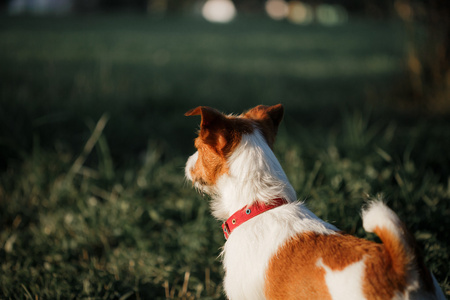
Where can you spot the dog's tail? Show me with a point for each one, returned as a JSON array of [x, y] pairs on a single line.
[[382, 221], [400, 245]]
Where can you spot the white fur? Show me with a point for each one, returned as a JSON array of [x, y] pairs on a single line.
[[345, 284], [190, 165], [252, 244], [377, 214], [256, 174]]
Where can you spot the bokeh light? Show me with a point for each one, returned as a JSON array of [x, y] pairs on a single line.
[[404, 10], [331, 15], [219, 11], [277, 9], [300, 13]]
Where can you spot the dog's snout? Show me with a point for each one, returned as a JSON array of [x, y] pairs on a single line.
[[190, 164]]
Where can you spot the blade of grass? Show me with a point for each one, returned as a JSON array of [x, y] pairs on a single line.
[[93, 139]]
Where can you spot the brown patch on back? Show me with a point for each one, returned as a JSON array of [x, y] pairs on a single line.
[[293, 274]]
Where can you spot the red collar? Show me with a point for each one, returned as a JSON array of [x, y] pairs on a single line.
[[248, 212]]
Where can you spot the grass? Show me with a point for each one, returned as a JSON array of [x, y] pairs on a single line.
[[93, 203]]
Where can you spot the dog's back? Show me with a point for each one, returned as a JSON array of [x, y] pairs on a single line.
[[287, 252], [317, 266]]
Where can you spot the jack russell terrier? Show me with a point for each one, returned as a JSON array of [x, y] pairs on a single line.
[[276, 248]]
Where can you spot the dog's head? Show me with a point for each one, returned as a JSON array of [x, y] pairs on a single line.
[[221, 135]]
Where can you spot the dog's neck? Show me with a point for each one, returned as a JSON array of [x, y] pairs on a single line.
[[254, 175]]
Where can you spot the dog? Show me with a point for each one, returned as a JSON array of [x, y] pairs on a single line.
[[278, 249]]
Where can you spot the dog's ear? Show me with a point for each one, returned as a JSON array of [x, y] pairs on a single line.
[[265, 113], [213, 127], [210, 117], [275, 113], [269, 118]]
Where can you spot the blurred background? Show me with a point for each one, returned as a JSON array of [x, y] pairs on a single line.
[[93, 200]]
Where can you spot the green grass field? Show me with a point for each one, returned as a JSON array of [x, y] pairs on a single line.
[[93, 200]]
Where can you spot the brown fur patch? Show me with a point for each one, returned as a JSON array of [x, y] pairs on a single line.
[[218, 137], [407, 261], [268, 119], [293, 273]]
